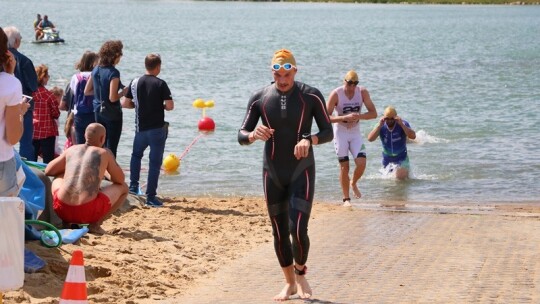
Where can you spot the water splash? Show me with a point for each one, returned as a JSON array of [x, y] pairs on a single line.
[[422, 137]]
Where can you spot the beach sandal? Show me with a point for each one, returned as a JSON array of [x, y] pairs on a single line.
[[300, 272]]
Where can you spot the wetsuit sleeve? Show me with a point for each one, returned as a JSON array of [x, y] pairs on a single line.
[[250, 120], [322, 119]]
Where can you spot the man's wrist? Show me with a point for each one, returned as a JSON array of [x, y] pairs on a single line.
[[307, 136], [251, 136]]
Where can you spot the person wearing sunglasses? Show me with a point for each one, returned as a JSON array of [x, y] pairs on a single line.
[[347, 101], [287, 109], [394, 132]]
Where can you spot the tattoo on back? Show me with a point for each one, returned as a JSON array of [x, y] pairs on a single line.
[[85, 167]]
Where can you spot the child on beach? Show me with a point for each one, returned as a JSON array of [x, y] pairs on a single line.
[[45, 114], [58, 93]]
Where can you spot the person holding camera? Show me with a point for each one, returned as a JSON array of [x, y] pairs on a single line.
[[12, 109], [394, 132]]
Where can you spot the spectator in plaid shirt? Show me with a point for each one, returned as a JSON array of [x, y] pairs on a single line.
[[45, 112]]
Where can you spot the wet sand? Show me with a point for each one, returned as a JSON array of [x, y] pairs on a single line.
[[157, 255]]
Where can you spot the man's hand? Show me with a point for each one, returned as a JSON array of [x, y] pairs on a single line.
[[398, 120], [262, 132], [301, 149], [381, 121], [352, 117]]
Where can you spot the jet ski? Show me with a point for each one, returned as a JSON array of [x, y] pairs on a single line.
[[50, 35]]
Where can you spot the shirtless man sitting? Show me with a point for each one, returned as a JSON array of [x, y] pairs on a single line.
[[79, 170]]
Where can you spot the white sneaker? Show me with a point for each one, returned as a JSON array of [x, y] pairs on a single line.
[[347, 202]]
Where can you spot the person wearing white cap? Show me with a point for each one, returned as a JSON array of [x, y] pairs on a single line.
[[394, 132], [347, 101], [287, 109]]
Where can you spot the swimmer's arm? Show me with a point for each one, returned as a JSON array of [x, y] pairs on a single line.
[[376, 130], [372, 112], [246, 134], [326, 133], [57, 166], [408, 131], [116, 174], [331, 106]]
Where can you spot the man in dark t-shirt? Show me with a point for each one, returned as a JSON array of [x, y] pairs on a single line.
[[150, 96]]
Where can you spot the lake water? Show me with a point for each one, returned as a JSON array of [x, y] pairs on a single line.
[[465, 77]]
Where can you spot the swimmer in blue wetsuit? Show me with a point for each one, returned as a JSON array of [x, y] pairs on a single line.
[[287, 109], [394, 132]]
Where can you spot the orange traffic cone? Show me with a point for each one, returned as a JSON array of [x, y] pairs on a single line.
[[74, 291]]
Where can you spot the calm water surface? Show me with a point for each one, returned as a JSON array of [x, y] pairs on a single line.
[[465, 77]]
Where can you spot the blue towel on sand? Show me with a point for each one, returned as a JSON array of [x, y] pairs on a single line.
[[32, 262]]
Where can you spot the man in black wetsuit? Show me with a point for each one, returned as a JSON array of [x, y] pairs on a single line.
[[287, 109]]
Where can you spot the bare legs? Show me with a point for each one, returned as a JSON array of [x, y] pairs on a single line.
[[295, 284], [402, 173], [302, 285], [346, 182], [360, 163], [344, 179], [290, 284]]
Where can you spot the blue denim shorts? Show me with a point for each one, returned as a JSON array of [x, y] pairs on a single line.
[[8, 178]]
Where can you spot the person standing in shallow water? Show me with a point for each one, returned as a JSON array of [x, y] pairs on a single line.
[[394, 132], [287, 109], [347, 101]]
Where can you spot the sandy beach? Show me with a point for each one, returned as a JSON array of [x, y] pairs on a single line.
[[152, 253], [156, 255]]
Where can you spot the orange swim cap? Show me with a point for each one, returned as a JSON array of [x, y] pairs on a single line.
[[283, 56]]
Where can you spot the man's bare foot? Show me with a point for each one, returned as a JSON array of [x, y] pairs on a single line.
[[355, 190], [96, 229], [285, 293], [304, 290]]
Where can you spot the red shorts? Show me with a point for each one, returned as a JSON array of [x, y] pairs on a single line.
[[87, 213]]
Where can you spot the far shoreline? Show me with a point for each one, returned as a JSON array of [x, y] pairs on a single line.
[[436, 2]]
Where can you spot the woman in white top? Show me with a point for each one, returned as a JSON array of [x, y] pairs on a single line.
[[12, 110]]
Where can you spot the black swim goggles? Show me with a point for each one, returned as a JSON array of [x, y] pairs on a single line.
[[285, 66]]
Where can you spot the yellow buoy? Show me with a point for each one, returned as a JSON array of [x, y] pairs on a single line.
[[171, 163], [199, 103]]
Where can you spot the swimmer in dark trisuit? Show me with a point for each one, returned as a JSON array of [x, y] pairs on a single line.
[[287, 109]]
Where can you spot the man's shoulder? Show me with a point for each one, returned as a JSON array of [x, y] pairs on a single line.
[[153, 80], [258, 93], [19, 56], [306, 88]]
